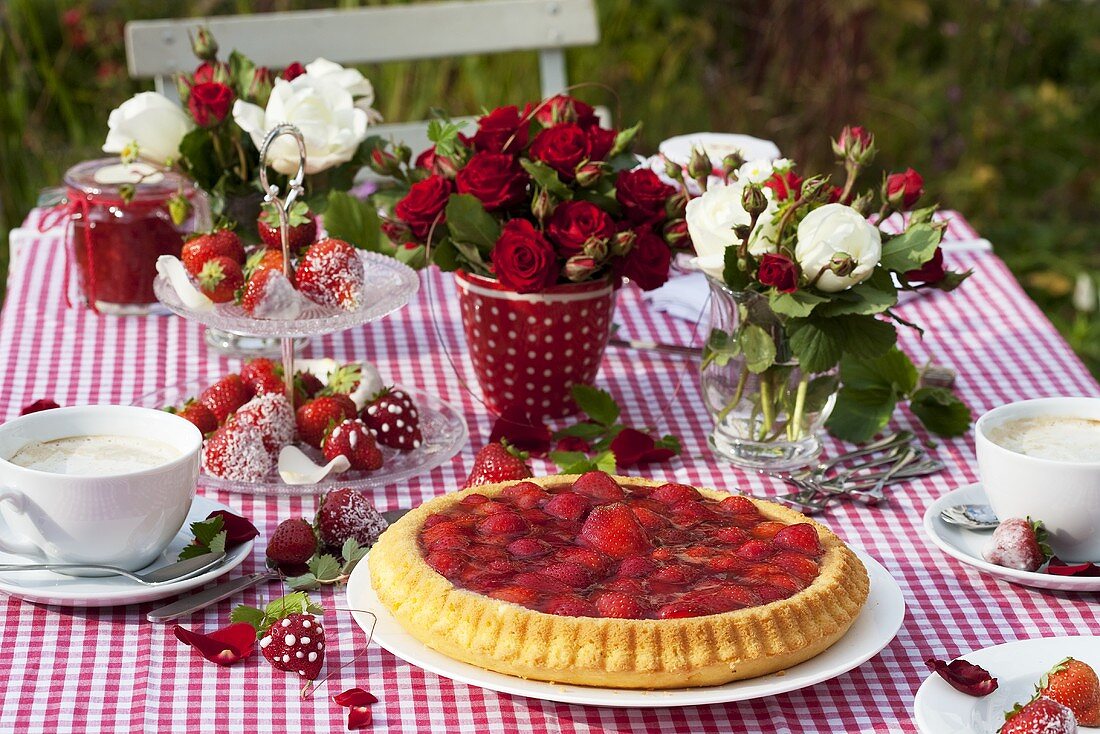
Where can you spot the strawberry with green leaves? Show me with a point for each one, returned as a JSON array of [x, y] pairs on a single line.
[[203, 247], [320, 415], [302, 227], [220, 278], [292, 638], [354, 441], [1019, 544], [1039, 716], [498, 462], [201, 416], [394, 419], [1074, 684]]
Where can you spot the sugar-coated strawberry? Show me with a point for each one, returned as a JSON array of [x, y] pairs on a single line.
[[497, 462], [599, 485], [1074, 684], [352, 439], [236, 452], [197, 413], [268, 294], [291, 546], [619, 605], [1040, 716], [219, 279], [302, 227], [320, 415], [272, 415], [801, 537], [344, 514], [330, 273], [265, 259], [296, 644], [225, 396], [394, 419], [219, 243], [614, 530], [1018, 543]]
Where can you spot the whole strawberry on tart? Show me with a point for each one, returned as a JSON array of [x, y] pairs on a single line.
[[617, 581]]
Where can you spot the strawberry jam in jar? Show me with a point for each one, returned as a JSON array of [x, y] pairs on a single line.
[[120, 224]]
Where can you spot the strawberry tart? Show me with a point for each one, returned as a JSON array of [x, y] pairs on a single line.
[[617, 581]]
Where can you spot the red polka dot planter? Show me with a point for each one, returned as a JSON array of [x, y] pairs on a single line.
[[529, 349]]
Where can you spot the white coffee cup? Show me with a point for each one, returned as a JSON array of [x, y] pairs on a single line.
[[124, 519], [1065, 495]]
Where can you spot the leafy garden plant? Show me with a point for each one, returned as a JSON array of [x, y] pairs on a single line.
[[812, 281]]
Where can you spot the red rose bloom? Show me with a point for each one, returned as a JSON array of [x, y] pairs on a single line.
[[209, 103], [779, 272], [293, 71], [204, 73], [563, 108], [504, 130], [424, 202], [523, 259], [496, 179], [642, 195], [600, 142], [929, 273], [648, 261], [904, 189], [575, 223], [785, 185], [561, 147]]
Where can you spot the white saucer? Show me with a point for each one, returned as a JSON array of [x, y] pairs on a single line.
[[46, 587], [873, 630], [966, 546], [1017, 666], [717, 147]]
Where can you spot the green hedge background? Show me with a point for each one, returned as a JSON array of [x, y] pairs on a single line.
[[996, 102]]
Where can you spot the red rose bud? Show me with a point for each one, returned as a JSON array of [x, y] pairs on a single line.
[[496, 179], [676, 234], [211, 71], [602, 142], [648, 261], [580, 267], [397, 231], [732, 162], [856, 144], [779, 272], [423, 205], [596, 248], [403, 153], [210, 103], [903, 190], [504, 130], [676, 205], [673, 170], [699, 165], [929, 273], [183, 88], [523, 259], [293, 71], [623, 242], [588, 174], [203, 44], [542, 205], [753, 200], [384, 163], [563, 108], [260, 86]]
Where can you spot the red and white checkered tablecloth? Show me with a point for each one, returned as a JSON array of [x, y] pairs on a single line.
[[111, 670]]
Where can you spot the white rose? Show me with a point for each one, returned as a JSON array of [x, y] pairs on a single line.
[[756, 171], [357, 85], [711, 219], [333, 127], [838, 242], [152, 123]]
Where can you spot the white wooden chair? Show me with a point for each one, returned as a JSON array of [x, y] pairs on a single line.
[[161, 48]]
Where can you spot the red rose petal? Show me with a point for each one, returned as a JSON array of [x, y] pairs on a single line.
[[225, 646], [973, 680], [521, 431], [359, 717], [358, 703], [630, 447], [39, 405], [238, 530], [572, 443], [1058, 567]]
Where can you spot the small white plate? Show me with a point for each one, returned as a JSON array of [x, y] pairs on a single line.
[[1017, 666], [717, 147], [873, 630], [46, 587], [966, 546]]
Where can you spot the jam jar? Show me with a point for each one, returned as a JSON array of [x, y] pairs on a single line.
[[116, 239]]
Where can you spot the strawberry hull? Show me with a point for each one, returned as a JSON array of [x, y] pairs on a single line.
[[529, 349]]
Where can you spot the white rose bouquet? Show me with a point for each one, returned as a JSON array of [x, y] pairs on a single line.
[[226, 109], [814, 283]]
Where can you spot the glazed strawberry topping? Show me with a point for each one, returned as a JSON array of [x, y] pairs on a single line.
[[598, 549]]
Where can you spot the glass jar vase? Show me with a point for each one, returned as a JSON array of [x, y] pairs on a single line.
[[768, 412]]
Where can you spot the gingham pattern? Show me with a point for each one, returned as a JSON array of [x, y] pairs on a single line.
[[111, 670]]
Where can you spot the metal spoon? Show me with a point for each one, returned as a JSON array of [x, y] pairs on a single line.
[[972, 517], [164, 575]]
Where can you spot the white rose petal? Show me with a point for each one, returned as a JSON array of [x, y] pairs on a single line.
[[756, 171], [357, 85], [152, 122], [837, 231], [711, 219]]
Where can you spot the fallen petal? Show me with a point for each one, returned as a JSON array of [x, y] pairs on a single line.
[[39, 405], [358, 702], [973, 680], [631, 447], [224, 646], [1058, 567], [359, 717], [238, 530]]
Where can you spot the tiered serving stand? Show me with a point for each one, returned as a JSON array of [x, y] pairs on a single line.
[[388, 286]]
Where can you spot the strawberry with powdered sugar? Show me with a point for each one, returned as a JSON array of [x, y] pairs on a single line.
[[273, 416], [237, 452]]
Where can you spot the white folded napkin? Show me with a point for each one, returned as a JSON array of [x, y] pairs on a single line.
[[683, 297]]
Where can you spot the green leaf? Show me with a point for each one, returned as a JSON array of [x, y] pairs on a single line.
[[758, 348], [296, 602], [735, 278], [199, 159], [209, 538], [893, 371], [469, 223], [605, 462], [586, 430], [859, 415], [241, 70], [470, 256], [572, 462], [941, 411], [597, 404], [547, 178], [720, 348], [206, 530], [874, 295], [818, 392], [352, 553], [192, 551], [217, 544], [305, 582], [911, 249], [324, 567], [444, 133], [669, 442], [625, 140], [353, 220], [249, 615], [819, 343], [798, 304], [445, 255]]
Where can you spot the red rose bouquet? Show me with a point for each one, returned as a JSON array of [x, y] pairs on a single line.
[[537, 197]]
